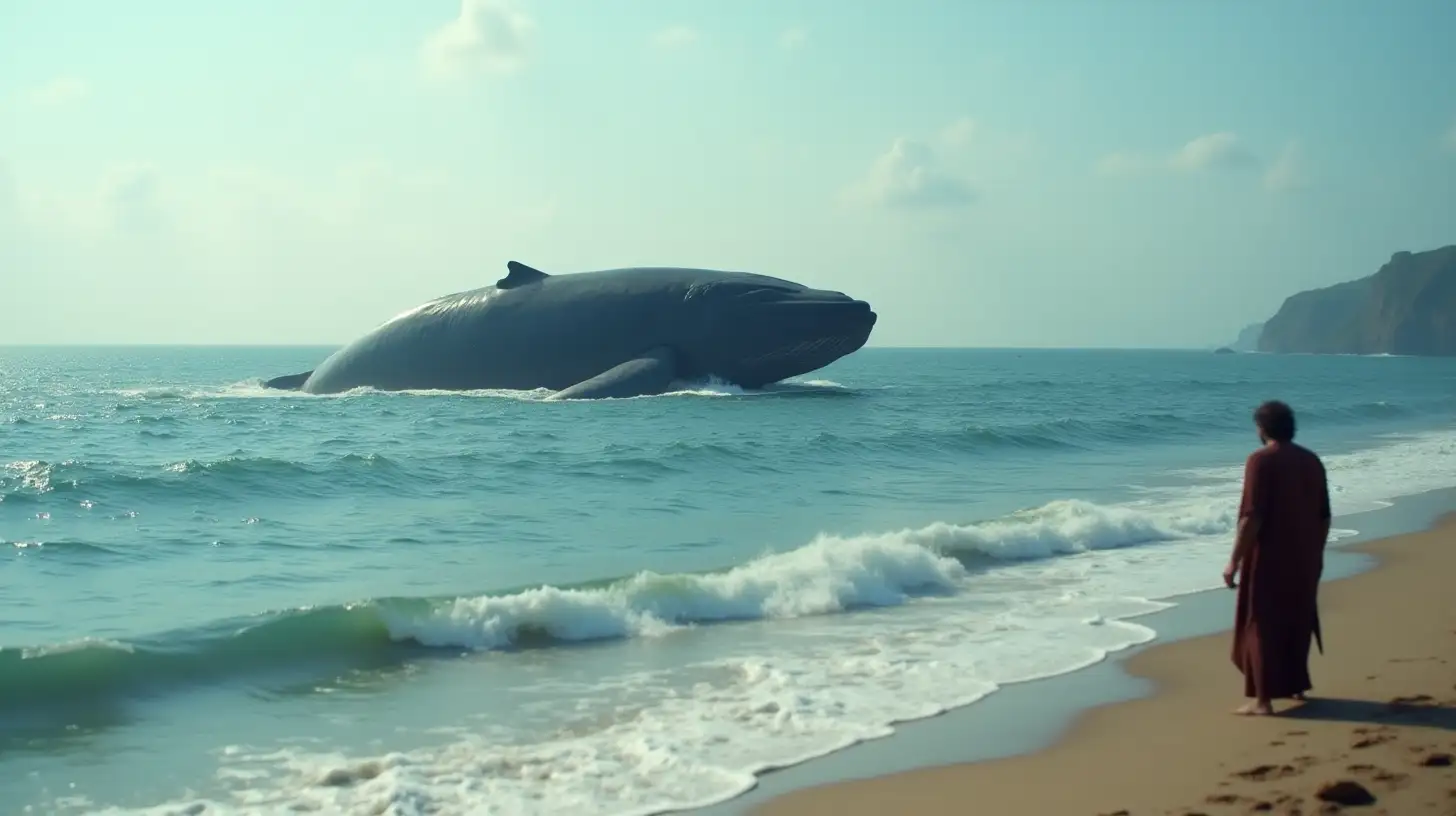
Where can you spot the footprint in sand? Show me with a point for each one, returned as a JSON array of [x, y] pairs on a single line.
[[1253, 805], [1371, 742], [1390, 779], [1413, 699], [1436, 759], [1264, 773], [1279, 800], [1370, 737]]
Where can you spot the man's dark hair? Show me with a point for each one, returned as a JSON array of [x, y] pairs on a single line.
[[1276, 420]]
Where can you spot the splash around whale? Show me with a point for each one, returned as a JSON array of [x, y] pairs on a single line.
[[610, 333]]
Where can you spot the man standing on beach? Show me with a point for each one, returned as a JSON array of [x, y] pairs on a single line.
[[1284, 521]]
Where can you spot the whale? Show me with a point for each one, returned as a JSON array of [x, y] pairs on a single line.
[[611, 333]]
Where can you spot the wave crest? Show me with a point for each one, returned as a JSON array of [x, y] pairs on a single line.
[[829, 575]]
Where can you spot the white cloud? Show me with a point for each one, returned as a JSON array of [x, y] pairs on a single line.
[[1287, 173], [60, 91], [1213, 151], [678, 36], [793, 39], [947, 170], [912, 175], [489, 36]]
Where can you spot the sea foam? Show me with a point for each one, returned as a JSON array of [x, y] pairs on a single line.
[[962, 624], [961, 609]]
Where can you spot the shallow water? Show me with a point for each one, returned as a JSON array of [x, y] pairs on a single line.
[[223, 599]]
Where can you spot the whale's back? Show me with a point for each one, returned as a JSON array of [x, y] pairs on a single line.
[[551, 333]]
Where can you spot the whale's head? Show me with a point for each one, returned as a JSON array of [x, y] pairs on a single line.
[[754, 330]]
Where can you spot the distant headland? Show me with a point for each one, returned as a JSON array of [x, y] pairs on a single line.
[[1407, 307]]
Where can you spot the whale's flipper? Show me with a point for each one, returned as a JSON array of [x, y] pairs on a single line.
[[288, 382], [518, 274], [651, 373]]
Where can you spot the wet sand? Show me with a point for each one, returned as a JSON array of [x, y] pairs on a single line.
[[1377, 735]]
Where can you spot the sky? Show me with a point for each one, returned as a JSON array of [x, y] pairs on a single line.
[[1094, 173]]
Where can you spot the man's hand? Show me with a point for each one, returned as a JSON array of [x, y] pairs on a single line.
[[1228, 574]]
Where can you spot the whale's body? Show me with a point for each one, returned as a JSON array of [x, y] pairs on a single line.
[[612, 333]]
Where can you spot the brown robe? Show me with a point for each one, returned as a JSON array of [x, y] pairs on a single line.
[[1286, 490]]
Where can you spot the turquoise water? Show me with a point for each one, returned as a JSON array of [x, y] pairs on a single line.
[[219, 599]]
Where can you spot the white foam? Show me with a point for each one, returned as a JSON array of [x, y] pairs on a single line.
[[666, 744], [1362, 480], [1074, 526], [254, 389], [77, 645], [698, 734], [828, 575], [1065, 580]]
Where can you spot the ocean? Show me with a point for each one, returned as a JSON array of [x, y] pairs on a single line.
[[220, 599]]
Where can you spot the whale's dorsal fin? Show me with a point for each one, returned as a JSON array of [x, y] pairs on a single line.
[[519, 275]]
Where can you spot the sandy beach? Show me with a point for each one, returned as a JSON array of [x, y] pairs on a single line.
[[1377, 735]]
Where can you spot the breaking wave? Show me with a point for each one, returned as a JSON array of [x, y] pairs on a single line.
[[826, 576]]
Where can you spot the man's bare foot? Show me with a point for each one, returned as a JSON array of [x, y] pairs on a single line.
[[1255, 709]]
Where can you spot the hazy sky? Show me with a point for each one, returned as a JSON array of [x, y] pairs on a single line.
[[1007, 172]]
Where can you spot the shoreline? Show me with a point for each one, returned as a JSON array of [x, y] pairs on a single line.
[[1033, 716], [1103, 751]]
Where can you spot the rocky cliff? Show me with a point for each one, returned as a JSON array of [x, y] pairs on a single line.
[[1407, 307], [1248, 339]]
